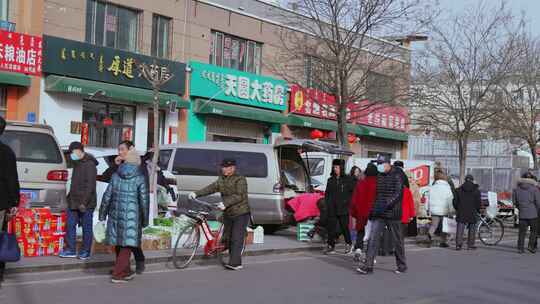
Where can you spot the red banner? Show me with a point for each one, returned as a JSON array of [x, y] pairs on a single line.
[[20, 53], [315, 103], [84, 133]]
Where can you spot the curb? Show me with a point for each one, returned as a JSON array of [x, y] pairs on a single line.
[[200, 258]]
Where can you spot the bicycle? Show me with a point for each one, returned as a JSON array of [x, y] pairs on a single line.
[[490, 230], [188, 240]]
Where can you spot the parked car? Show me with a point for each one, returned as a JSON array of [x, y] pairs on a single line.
[[274, 173], [40, 164]]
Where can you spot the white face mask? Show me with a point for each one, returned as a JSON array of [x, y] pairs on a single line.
[[380, 168]]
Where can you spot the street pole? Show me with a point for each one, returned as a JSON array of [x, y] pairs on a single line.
[[157, 77]]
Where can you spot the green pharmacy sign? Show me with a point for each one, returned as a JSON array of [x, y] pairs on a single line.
[[222, 84]]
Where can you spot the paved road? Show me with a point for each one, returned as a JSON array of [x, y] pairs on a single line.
[[488, 275]]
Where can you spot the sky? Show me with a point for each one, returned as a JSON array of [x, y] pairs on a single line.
[[530, 7]]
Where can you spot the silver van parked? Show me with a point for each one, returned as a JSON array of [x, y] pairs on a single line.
[[40, 164], [274, 172]]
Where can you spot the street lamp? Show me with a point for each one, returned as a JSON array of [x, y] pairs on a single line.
[[157, 77]]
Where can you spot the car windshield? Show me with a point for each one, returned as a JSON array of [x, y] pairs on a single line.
[[315, 166], [32, 147]]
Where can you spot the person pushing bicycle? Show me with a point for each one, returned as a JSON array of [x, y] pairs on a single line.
[[234, 193]]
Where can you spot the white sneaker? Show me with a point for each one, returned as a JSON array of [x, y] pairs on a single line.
[[230, 267]]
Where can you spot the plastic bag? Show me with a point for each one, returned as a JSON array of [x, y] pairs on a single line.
[[449, 225], [100, 232], [367, 229]]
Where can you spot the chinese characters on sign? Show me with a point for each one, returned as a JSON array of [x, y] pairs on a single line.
[[20, 53], [245, 88], [86, 61], [238, 87], [311, 102]]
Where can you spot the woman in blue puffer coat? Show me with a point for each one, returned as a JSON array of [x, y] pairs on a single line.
[[125, 205]]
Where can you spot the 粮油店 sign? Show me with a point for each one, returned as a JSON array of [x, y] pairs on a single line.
[[20, 53], [223, 84], [315, 103], [87, 61]]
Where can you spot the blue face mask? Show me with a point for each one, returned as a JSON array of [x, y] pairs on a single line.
[[74, 156], [380, 168]]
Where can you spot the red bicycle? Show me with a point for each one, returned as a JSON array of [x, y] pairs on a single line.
[[190, 223]]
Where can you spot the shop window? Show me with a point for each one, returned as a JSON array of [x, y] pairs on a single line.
[[4, 4], [380, 87], [375, 154], [3, 102], [150, 134], [108, 124], [161, 36], [203, 162], [316, 73], [111, 25], [236, 53]]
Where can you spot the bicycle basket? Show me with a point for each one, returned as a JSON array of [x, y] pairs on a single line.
[[184, 206]]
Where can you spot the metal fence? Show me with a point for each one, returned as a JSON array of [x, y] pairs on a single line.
[[492, 163]]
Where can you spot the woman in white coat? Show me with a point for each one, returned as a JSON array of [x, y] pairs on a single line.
[[439, 205]]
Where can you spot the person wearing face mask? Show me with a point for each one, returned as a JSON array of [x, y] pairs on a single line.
[[81, 201], [386, 212]]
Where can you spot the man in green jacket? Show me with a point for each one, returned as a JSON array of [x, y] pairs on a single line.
[[234, 192]]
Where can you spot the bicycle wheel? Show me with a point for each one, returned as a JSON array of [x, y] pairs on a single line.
[[185, 246], [491, 232]]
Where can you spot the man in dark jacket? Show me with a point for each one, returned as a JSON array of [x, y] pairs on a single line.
[[338, 195], [467, 204], [234, 193], [386, 212], [526, 197], [9, 186], [81, 201]]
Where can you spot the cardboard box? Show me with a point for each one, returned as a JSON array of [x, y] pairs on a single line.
[[162, 242]]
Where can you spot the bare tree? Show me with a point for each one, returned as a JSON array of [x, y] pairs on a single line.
[[328, 45], [520, 99], [456, 77]]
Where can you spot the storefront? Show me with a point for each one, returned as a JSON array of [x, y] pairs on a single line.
[[98, 95], [381, 130], [230, 105], [20, 59]]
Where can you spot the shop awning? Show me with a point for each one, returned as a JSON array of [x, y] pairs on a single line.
[[203, 106], [311, 122], [54, 83], [379, 132], [17, 79]]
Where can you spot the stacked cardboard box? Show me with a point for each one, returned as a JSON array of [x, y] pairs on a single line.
[[39, 232]]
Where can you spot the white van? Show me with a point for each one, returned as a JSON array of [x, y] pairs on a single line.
[[274, 172]]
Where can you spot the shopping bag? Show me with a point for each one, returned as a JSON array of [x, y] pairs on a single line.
[[100, 232], [449, 225], [9, 249]]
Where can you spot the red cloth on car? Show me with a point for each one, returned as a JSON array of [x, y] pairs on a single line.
[[408, 210], [362, 200], [305, 206]]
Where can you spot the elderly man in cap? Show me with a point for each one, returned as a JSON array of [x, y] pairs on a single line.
[[386, 211], [234, 193]]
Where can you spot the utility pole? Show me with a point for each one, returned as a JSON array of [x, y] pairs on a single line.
[[157, 77]]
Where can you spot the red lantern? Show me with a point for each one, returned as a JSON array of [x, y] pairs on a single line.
[[351, 138], [107, 121], [316, 134]]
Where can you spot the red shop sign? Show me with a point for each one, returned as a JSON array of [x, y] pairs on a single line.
[[20, 53], [315, 103]]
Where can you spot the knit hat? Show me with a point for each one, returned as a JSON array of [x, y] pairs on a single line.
[[133, 157]]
